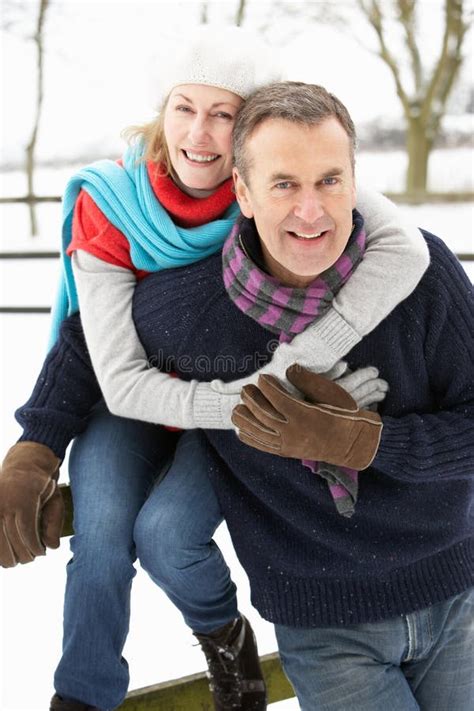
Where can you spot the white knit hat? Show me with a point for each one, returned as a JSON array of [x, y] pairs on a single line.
[[224, 56]]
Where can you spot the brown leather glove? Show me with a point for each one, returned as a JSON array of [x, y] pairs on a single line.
[[31, 505], [327, 427]]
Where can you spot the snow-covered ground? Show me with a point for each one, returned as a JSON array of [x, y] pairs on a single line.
[[159, 646]]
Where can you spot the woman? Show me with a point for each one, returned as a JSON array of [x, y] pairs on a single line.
[[116, 462]]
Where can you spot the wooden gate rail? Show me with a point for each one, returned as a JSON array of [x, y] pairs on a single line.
[[189, 693], [415, 198], [462, 256]]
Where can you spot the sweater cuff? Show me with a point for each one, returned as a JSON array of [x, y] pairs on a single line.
[[49, 435], [334, 331], [213, 410], [396, 456]]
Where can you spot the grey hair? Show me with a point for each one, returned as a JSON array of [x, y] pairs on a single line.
[[297, 102]]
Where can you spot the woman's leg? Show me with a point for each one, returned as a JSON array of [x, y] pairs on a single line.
[[173, 536], [113, 466]]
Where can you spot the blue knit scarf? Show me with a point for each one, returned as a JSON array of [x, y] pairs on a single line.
[[127, 200]]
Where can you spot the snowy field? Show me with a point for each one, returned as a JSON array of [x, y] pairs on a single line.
[[159, 646]]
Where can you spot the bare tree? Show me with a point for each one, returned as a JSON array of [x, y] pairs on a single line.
[[423, 87], [30, 148], [424, 95], [237, 19], [240, 14]]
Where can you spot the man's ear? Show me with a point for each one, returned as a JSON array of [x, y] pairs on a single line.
[[242, 194]]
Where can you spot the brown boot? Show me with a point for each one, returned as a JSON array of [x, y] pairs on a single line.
[[235, 675], [59, 704]]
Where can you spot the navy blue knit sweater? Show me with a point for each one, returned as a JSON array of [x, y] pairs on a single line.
[[410, 541]]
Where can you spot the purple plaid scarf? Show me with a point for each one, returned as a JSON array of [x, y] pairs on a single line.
[[287, 311]]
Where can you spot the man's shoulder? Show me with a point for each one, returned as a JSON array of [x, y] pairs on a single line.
[[443, 294], [444, 275]]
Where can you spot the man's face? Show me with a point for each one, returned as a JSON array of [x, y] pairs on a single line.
[[301, 193]]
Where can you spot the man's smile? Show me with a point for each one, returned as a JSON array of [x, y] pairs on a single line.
[[307, 236]]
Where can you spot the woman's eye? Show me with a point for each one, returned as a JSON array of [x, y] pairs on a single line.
[[224, 115], [184, 109]]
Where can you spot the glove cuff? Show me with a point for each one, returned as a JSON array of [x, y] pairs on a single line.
[[366, 447], [33, 456]]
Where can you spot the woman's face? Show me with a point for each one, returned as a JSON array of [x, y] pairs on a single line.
[[198, 125]]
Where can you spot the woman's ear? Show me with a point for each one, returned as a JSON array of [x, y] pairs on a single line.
[[242, 194]]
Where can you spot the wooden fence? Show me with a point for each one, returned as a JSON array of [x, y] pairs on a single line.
[[462, 256]]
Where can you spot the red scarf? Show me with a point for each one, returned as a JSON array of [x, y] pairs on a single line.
[[185, 210]]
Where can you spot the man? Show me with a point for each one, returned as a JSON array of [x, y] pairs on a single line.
[[373, 611], [382, 595]]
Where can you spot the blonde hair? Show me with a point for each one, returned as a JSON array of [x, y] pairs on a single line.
[[152, 134]]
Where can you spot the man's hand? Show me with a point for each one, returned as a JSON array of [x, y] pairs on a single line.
[[327, 426], [31, 505]]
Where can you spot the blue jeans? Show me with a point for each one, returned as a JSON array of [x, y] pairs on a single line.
[[424, 660], [173, 536], [113, 467]]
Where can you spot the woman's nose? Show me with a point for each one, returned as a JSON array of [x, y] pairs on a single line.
[[198, 131]]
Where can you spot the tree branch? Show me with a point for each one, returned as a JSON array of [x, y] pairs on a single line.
[[30, 149], [407, 18], [239, 17], [373, 13], [450, 59]]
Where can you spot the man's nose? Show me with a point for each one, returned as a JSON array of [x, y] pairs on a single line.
[[309, 207], [198, 130]]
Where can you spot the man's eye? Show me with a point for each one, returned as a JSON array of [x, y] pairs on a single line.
[[330, 181], [284, 185]]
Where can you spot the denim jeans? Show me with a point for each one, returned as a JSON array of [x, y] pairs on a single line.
[[423, 660], [173, 535], [113, 467]]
